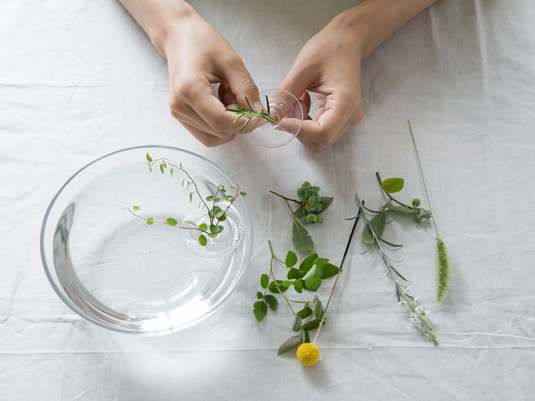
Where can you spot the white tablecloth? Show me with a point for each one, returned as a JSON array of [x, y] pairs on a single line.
[[79, 80]]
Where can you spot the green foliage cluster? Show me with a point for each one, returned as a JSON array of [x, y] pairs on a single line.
[[311, 206], [307, 276]]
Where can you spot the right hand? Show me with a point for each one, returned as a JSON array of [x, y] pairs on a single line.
[[197, 56]]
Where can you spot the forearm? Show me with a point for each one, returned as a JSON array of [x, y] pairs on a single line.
[[375, 20], [158, 17]]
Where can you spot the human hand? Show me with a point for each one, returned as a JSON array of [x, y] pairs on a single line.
[[329, 65], [197, 55]]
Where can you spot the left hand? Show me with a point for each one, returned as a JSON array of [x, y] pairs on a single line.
[[329, 65]]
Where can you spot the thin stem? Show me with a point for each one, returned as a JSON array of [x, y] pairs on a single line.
[[164, 222], [231, 203], [338, 275], [423, 179], [285, 198]]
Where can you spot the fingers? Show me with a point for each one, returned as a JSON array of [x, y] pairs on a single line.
[[337, 117], [240, 83]]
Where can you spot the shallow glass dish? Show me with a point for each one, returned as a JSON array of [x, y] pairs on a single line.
[[120, 273]]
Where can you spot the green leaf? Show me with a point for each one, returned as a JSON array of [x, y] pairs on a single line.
[[301, 240], [135, 208], [293, 274], [209, 198], [259, 295], [161, 168], [312, 325], [318, 310], [260, 310], [222, 218], [229, 198], [329, 270], [308, 262], [288, 283], [150, 221], [190, 222], [291, 259], [273, 288], [298, 286], [203, 227], [325, 203], [216, 200], [171, 222], [202, 240], [305, 312], [172, 171], [165, 165], [190, 197], [377, 224], [290, 343], [212, 235], [243, 193], [299, 212], [213, 229], [150, 167], [393, 185], [264, 280], [149, 158], [310, 273], [218, 214], [305, 338], [297, 323], [320, 264], [272, 301], [313, 283]]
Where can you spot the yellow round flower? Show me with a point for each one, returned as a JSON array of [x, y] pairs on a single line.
[[308, 354]]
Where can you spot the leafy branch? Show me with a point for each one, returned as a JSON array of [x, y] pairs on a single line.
[[249, 113], [308, 276], [418, 313], [215, 213]]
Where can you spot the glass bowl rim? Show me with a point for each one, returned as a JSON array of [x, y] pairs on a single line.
[[67, 301]]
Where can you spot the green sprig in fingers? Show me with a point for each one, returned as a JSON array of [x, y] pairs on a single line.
[[216, 214], [249, 113]]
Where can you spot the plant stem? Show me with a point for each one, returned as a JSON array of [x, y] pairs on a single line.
[[423, 180], [338, 275], [391, 197], [285, 198]]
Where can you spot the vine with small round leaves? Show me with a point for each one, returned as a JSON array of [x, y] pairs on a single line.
[[215, 213]]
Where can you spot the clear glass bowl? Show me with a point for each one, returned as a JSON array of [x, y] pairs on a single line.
[[120, 273], [288, 112]]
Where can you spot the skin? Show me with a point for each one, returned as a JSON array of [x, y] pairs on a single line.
[[329, 65]]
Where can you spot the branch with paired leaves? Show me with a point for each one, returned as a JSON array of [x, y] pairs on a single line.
[[215, 213], [311, 206], [249, 113], [308, 276]]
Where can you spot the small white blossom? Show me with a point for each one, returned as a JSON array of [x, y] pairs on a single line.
[[407, 289], [419, 308], [425, 313], [402, 303], [415, 299], [414, 320]]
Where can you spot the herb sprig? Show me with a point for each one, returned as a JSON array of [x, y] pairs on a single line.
[[249, 113]]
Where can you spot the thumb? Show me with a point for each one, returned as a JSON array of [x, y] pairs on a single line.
[[298, 80], [242, 85]]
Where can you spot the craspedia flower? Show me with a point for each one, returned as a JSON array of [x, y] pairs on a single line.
[[308, 354]]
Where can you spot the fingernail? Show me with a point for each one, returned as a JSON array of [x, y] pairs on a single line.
[[258, 106]]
